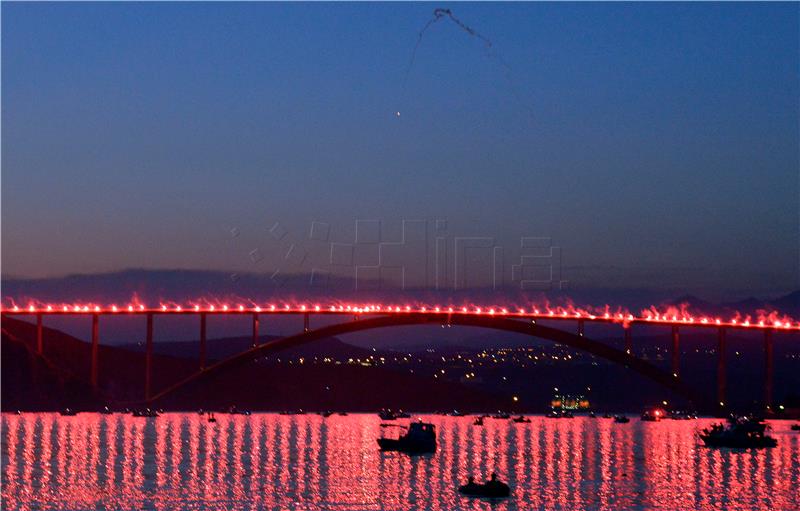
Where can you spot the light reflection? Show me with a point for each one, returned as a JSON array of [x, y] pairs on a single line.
[[268, 461]]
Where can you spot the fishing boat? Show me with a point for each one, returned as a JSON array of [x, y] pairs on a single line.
[[492, 488], [147, 412], [419, 438], [739, 433], [651, 415], [621, 419], [521, 420]]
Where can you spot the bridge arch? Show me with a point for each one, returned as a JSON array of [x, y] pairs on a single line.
[[505, 324]]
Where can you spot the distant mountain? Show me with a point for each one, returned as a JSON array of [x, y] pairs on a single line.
[[789, 304]]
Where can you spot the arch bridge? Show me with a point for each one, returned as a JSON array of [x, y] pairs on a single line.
[[361, 318]]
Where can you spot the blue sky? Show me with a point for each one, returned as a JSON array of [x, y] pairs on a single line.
[[655, 143]]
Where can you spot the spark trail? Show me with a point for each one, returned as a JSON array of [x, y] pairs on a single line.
[[447, 14]]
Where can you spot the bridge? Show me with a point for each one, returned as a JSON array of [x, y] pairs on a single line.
[[571, 321]]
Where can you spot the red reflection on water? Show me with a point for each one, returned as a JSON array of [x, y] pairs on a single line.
[[307, 462]]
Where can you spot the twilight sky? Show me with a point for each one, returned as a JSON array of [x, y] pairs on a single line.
[[655, 144]]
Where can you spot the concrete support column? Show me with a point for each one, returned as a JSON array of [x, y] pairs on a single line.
[[255, 330], [202, 340], [95, 349], [148, 357], [721, 367], [676, 352], [628, 340], [39, 336], [768, 368]]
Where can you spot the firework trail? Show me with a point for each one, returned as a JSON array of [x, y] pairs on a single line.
[[447, 14]]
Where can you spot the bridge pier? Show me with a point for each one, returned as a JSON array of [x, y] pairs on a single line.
[[628, 340], [148, 356], [768, 368], [95, 349], [39, 336], [202, 340], [721, 367], [255, 330], [305, 322], [676, 352]]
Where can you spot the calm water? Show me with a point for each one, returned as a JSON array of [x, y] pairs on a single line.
[[267, 461]]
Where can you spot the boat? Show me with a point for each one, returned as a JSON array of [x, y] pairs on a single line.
[[560, 414], [740, 433], [233, 410], [106, 411], [492, 489], [521, 420], [621, 419], [201, 412], [326, 413], [343, 414], [501, 415], [402, 415], [651, 415], [478, 421], [420, 438], [147, 412], [607, 416], [592, 415], [387, 415], [68, 412], [795, 427], [456, 413], [211, 417]]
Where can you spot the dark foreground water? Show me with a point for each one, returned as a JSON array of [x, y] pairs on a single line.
[[267, 461]]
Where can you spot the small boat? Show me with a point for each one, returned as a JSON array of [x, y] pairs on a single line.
[[68, 412], [106, 411], [592, 415], [420, 438], [621, 419], [402, 415], [478, 421], [501, 415], [201, 412], [740, 433], [521, 420], [795, 427], [326, 413], [233, 410], [651, 415], [456, 413], [211, 417], [607, 416], [343, 414], [387, 415], [492, 489], [147, 412]]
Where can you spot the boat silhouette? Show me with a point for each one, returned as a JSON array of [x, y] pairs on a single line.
[[419, 438], [740, 433], [490, 489]]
